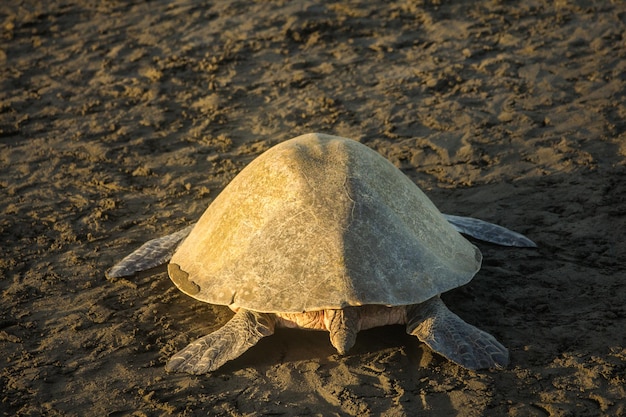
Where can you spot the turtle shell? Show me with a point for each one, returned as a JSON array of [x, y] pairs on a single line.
[[321, 222]]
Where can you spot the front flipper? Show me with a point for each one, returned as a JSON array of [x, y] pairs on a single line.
[[489, 232], [447, 334], [153, 253], [210, 352]]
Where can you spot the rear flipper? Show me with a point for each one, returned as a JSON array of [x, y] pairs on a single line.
[[210, 352], [153, 253], [447, 334], [489, 232]]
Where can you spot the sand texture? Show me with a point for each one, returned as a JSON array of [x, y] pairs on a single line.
[[120, 121]]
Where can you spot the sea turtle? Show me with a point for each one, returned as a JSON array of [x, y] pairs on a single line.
[[321, 232]]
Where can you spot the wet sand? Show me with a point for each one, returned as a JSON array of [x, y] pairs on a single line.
[[121, 122]]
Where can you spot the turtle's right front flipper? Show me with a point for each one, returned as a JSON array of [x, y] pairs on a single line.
[[153, 253], [210, 352], [489, 232]]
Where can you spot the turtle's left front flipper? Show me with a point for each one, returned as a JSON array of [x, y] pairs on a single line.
[[210, 352], [151, 254], [489, 232]]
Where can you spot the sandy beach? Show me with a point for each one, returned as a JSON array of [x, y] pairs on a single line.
[[122, 121]]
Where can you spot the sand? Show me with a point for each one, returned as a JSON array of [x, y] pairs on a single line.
[[121, 121]]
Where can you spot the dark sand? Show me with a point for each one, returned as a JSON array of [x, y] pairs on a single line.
[[121, 122]]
